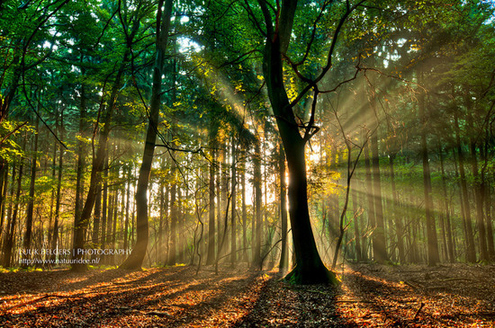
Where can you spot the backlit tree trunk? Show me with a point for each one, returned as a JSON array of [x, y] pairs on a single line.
[[284, 258], [309, 266], [135, 260]]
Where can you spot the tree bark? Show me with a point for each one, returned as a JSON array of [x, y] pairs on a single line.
[[309, 266], [284, 258], [8, 234], [81, 153], [55, 233], [233, 244], [211, 256], [30, 206], [244, 213], [257, 206]]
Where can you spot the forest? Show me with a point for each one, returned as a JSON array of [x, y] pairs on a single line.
[[242, 163]]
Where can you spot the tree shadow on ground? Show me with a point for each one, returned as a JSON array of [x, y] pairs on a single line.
[[419, 296], [284, 305], [171, 297]]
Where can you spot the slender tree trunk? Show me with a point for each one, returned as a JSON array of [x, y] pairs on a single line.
[[257, 206], [8, 235], [433, 254], [104, 210], [397, 217], [4, 184], [357, 230], [96, 223], [450, 243], [110, 205], [284, 258], [127, 206], [233, 244], [486, 191], [30, 206], [172, 259], [379, 243], [468, 230], [244, 213], [115, 230], [11, 233], [56, 217], [222, 190], [80, 225], [369, 193], [489, 222], [180, 227], [211, 255], [478, 193], [52, 196], [161, 229], [81, 155]]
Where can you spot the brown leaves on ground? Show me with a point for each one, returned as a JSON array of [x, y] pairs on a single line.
[[371, 295], [418, 296]]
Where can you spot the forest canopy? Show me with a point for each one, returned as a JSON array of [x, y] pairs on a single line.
[[297, 134]]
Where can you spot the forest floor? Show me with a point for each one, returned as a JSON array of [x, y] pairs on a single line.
[[369, 296]]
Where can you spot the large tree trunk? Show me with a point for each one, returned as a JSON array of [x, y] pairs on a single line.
[[4, 182], [8, 240], [309, 266]]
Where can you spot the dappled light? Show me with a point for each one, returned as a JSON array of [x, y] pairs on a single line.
[[255, 163], [447, 296], [169, 297]]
